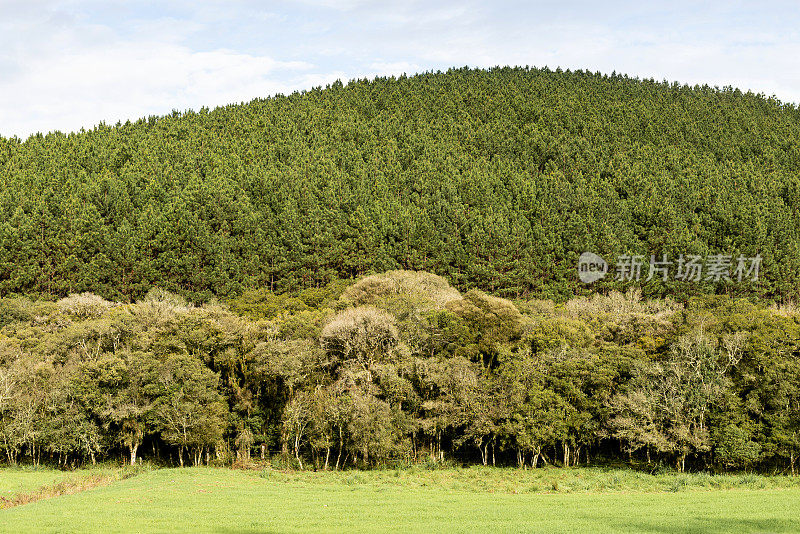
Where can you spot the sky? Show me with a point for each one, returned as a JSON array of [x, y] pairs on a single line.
[[67, 65]]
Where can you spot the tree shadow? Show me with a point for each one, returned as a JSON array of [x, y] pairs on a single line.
[[704, 525]]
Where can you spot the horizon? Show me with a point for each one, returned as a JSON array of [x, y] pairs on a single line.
[[345, 83], [67, 66]]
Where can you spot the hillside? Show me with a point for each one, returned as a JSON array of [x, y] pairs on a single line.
[[496, 179]]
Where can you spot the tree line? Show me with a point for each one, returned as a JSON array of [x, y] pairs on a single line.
[[401, 368], [497, 179]]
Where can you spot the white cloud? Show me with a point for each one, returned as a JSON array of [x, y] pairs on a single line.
[[342, 5], [130, 80], [59, 71], [67, 64], [381, 68]]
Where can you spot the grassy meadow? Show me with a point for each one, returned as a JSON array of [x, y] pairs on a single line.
[[18, 480], [410, 500]]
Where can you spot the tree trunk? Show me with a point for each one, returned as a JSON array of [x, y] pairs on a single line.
[[791, 461], [297, 449], [133, 448], [339, 456], [180, 455], [566, 454], [327, 457]]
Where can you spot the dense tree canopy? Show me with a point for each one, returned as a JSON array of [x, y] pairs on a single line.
[[399, 368], [497, 179]]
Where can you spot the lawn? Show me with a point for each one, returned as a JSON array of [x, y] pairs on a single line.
[[28, 479], [453, 500]]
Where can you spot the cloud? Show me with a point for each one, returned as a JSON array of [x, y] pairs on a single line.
[[343, 5], [130, 80], [66, 73], [67, 64], [396, 68]]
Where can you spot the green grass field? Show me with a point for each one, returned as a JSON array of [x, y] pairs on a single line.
[[452, 500], [28, 479]]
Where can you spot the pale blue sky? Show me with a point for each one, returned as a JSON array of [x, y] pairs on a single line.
[[71, 64]]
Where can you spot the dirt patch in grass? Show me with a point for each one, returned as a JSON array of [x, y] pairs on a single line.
[[65, 487]]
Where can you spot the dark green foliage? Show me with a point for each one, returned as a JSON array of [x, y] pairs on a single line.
[[497, 179], [264, 304], [402, 368]]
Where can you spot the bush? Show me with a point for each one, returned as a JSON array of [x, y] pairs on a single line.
[[160, 307], [419, 286], [496, 318], [626, 318], [306, 324], [556, 332], [735, 448], [318, 297], [363, 333], [84, 306], [264, 304], [14, 310]]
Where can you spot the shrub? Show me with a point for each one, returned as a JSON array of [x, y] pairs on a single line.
[[159, 307], [496, 318], [14, 310], [735, 448], [420, 286], [84, 306], [555, 332], [625, 318], [365, 333], [306, 324], [318, 297], [264, 304]]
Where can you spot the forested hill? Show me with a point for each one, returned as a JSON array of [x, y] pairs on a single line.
[[497, 179]]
